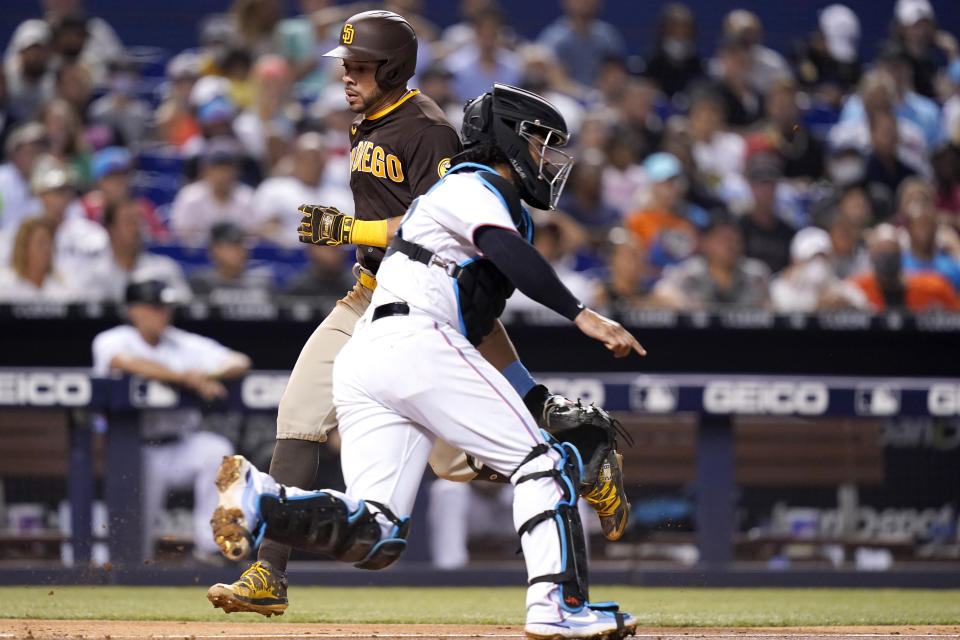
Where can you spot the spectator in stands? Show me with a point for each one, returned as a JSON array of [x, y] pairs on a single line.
[[846, 227], [666, 226], [678, 141], [893, 65], [767, 65], [126, 260], [276, 200], [581, 41], [637, 111], [255, 21], [675, 63], [583, 198], [236, 67], [877, 92], [175, 121], [916, 31], [30, 81], [477, 66], [268, 126], [623, 177], [120, 109], [719, 154], [7, 120], [626, 285], [66, 141], [231, 279], [436, 82], [544, 74], [68, 38], [733, 82], [217, 197], [215, 115], [30, 276], [810, 283], [75, 86], [923, 253], [177, 452], [719, 277], [883, 166], [77, 241], [803, 153], [828, 61], [111, 170], [22, 148], [766, 237], [101, 44], [327, 274], [888, 287]]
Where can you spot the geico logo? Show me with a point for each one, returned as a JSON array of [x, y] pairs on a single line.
[[44, 389], [586, 389], [778, 398], [263, 391], [943, 400], [370, 158]]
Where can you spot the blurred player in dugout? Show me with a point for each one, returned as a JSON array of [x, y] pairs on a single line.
[[401, 145], [177, 453]]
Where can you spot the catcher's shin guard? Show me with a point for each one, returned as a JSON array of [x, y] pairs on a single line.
[[322, 523], [573, 576]]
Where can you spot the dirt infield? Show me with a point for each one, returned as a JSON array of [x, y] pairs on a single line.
[[129, 630]]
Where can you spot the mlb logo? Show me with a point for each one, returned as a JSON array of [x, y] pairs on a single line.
[[653, 396], [150, 394], [878, 400]]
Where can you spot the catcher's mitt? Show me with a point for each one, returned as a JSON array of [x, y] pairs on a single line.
[[588, 427]]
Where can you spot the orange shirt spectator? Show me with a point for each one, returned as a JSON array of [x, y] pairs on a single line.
[[922, 291]]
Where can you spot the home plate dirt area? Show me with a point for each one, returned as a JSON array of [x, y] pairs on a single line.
[[175, 630]]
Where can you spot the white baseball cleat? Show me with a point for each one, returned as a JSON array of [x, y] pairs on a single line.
[[236, 522], [598, 624]]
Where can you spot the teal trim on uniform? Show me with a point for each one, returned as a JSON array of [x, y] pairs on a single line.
[[456, 294]]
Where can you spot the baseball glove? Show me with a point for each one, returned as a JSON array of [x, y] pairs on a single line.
[[588, 427]]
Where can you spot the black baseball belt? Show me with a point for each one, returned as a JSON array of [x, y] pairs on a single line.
[[391, 309]]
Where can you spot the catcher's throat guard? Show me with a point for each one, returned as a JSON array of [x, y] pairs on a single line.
[[323, 524]]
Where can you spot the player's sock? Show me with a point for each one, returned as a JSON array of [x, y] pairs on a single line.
[[294, 464]]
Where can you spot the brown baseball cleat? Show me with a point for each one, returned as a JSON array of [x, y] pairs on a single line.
[[261, 589], [608, 497]]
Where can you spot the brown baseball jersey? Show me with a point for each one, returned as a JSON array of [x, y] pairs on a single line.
[[396, 155]]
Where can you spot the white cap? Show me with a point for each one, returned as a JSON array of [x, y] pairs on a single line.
[[841, 31], [29, 33], [207, 88], [810, 242], [909, 12], [183, 65], [49, 174]]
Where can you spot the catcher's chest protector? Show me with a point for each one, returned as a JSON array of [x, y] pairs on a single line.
[[482, 290]]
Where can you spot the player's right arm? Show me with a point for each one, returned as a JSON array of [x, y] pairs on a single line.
[[532, 274], [203, 384]]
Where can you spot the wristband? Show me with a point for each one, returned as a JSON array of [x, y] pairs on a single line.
[[372, 233], [518, 377]]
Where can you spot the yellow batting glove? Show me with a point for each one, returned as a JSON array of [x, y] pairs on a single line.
[[331, 227]]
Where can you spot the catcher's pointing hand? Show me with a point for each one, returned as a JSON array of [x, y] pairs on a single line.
[[610, 333], [324, 225]]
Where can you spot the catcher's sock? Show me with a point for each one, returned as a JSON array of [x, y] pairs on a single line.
[[294, 464]]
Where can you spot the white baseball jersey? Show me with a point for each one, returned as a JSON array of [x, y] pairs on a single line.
[[177, 350], [444, 222]]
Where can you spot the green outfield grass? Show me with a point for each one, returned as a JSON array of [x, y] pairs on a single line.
[[652, 607]]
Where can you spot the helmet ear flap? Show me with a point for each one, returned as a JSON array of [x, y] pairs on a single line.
[[477, 119]]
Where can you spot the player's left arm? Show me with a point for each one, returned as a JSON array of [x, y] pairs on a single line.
[[426, 158]]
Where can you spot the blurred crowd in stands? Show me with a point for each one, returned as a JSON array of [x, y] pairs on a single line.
[[795, 180]]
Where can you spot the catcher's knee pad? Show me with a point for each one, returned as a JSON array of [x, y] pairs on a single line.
[[573, 577], [323, 524]]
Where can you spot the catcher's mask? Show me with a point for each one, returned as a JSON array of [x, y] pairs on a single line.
[[530, 131], [380, 36]]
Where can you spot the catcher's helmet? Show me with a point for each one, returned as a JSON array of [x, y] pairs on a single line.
[[380, 36], [514, 119]]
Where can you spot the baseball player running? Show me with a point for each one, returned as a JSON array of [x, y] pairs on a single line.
[[460, 250], [401, 145]]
